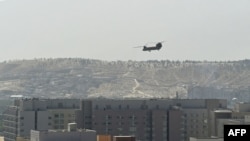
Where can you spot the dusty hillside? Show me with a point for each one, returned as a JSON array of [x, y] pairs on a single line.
[[120, 79]]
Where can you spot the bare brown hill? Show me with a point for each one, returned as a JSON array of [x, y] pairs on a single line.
[[76, 77]]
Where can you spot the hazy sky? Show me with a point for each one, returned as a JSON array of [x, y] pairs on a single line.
[[109, 29]]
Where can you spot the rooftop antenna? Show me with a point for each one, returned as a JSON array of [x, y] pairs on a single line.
[[177, 95]]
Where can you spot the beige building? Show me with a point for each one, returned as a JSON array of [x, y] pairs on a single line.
[[240, 115], [241, 111], [242, 107], [247, 119], [1, 138], [22, 139]]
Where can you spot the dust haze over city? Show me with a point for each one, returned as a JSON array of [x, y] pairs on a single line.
[[78, 58]]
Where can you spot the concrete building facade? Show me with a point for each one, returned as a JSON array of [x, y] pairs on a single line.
[[206, 139], [37, 114], [10, 123], [63, 135], [150, 120], [240, 115]]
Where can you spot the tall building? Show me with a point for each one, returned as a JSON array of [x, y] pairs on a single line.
[[37, 114], [150, 120], [10, 123]]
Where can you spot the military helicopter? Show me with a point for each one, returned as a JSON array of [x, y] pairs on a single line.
[[157, 46]]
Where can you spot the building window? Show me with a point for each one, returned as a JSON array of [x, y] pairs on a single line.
[[127, 106], [61, 121], [108, 117], [60, 105], [120, 129], [108, 106], [120, 123], [96, 107], [56, 115], [62, 115], [56, 121], [157, 107], [119, 117], [132, 129], [144, 106]]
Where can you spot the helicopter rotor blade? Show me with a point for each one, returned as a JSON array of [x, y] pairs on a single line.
[[155, 42], [138, 47]]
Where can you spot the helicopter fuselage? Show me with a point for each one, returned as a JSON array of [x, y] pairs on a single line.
[[157, 47], [151, 48]]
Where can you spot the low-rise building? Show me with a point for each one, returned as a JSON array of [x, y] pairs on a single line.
[[124, 138], [206, 139], [1, 138], [22, 139], [104, 138], [63, 135]]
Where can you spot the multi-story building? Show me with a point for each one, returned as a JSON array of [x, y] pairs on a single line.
[[196, 122], [38, 114], [240, 115], [216, 117], [145, 119], [10, 123], [150, 120]]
